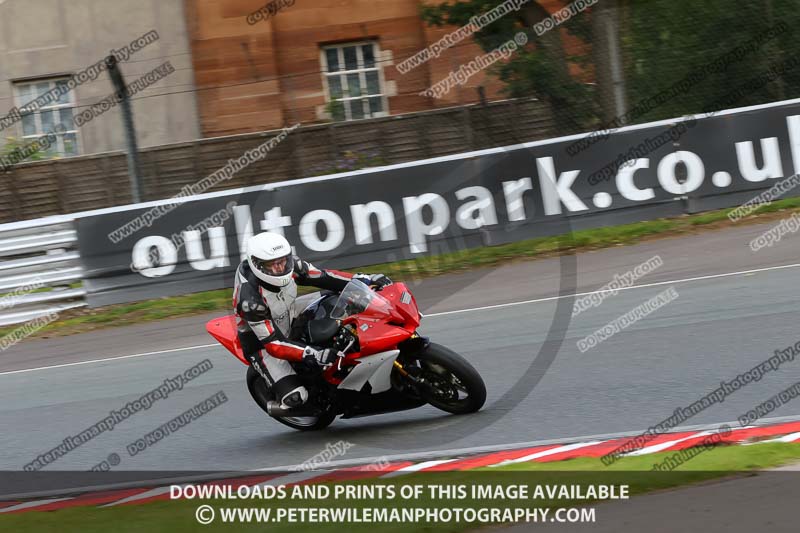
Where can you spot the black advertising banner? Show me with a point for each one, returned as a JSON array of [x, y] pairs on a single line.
[[428, 207]]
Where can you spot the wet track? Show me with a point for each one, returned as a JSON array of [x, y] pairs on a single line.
[[718, 327]]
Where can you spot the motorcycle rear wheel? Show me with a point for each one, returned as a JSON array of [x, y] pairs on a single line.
[[449, 375], [261, 394]]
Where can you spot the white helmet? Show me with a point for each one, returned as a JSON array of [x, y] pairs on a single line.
[[270, 258]]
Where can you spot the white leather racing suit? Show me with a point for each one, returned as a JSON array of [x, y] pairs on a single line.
[[264, 316]]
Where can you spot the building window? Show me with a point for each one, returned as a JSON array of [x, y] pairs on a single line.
[[46, 118], [353, 81]]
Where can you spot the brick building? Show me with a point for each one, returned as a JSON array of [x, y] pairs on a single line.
[[288, 66], [309, 61]]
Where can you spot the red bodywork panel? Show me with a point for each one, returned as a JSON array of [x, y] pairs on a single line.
[[224, 330], [408, 313], [374, 335]]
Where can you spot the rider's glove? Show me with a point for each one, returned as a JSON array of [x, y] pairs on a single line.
[[322, 358], [379, 281]]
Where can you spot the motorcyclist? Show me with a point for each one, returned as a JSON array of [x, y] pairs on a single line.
[[264, 297]]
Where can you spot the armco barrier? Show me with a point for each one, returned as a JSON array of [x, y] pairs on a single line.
[[39, 268], [443, 204]]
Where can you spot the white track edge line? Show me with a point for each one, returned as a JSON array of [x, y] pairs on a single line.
[[443, 313], [642, 286], [106, 359]]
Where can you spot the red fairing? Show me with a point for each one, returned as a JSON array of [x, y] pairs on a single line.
[[378, 335], [374, 337], [406, 306], [381, 327], [224, 330]]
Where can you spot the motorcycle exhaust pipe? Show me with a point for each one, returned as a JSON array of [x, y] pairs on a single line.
[[276, 409]]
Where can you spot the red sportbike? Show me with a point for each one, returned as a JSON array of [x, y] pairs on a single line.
[[387, 366]]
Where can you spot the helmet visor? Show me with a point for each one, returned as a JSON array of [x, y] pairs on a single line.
[[274, 267]]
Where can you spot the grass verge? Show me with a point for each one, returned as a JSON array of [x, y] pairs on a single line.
[[83, 320], [179, 516]]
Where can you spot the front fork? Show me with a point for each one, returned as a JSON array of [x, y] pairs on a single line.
[[415, 344], [401, 370]]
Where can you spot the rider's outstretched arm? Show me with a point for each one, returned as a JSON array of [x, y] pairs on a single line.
[[334, 280], [307, 274], [276, 344]]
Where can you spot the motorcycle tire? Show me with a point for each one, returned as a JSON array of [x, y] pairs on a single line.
[[437, 356], [261, 394]]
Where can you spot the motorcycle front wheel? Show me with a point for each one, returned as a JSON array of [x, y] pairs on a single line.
[[261, 394], [447, 380]]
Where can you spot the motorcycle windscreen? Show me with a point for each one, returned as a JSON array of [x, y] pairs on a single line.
[[357, 298]]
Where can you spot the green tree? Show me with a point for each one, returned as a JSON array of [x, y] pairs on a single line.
[[666, 40], [542, 68], [661, 41], [12, 144]]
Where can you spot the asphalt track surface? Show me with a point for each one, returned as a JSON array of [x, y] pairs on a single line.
[[734, 309]]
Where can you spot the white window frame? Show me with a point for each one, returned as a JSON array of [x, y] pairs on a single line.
[[59, 147], [361, 70]]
